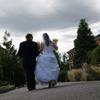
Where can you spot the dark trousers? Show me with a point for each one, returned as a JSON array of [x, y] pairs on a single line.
[[30, 76]]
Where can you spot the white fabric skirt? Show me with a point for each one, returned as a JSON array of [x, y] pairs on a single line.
[[47, 68]]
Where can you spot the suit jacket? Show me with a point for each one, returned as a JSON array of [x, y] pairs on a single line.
[[28, 51]]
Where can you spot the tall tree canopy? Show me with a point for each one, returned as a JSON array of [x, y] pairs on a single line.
[[84, 43]]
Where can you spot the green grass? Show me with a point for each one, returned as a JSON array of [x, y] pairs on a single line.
[[7, 86], [3, 83]]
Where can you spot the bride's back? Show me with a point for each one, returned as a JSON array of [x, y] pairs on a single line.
[[47, 49]]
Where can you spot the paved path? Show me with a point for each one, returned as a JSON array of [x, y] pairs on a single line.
[[63, 91]]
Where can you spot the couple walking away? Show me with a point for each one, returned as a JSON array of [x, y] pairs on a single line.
[[39, 62]]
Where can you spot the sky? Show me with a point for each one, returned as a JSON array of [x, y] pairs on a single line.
[[58, 18]]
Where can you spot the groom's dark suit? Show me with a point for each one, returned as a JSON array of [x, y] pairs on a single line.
[[28, 51]]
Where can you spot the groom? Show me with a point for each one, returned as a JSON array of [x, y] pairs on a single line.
[[28, 51]]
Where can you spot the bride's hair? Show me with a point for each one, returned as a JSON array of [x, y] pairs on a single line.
[[46, 39]]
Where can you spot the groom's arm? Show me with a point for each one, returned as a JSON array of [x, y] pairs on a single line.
[[20, 51], [41, 47], [36, 49]]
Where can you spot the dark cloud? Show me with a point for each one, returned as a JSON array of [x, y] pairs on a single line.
[[21, 16]]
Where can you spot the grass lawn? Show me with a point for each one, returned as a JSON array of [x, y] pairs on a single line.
[[4, 87]]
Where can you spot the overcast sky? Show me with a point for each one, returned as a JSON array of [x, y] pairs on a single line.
[[59, 18]]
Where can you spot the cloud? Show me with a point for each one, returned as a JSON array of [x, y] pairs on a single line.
[[59, 18], [37, 15]]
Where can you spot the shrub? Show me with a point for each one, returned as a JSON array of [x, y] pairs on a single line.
[[92, 74], [98, 74], [77, 75], [63, 76], [3, 83], [74, 75], [95, 56], [19, 79], [87, 73], [97, 70]]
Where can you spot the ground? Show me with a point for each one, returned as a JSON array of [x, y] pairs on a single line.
[[63, 91]]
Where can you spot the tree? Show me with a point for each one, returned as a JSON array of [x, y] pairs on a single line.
[[8, 57], [10, 62], [84, 43], [1, 67]]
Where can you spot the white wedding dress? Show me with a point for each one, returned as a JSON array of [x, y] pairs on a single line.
[[47, 67]]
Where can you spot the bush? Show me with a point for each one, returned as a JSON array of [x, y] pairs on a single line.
[[73, 75], [89, 73], [3, 83], [97, 70], [95, 56], [63, 77], [98, 74], [19, 78], [92, 74], [77, 75]]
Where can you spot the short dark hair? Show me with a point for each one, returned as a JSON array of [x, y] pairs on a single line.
[[29, 35]]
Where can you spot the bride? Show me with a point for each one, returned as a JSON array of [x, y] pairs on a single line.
[[47, 68]]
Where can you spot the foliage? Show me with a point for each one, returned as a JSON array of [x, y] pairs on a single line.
[[62, 64], [89, 73], [92, 74], [3, 83], [57, 54], [84, 42], [77, 75], [10, 62], [64, 67], [95, 56], [1, 67], [19, 79]]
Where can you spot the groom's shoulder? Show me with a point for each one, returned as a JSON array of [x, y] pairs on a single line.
[[22, 42], [25, 43], [35, 43]]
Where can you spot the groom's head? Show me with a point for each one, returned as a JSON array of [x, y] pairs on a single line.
[[29, 37]]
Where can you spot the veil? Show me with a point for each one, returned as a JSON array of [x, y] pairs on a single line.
[[47, 39]]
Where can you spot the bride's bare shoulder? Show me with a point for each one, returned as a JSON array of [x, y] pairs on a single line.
[[41, 46]]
